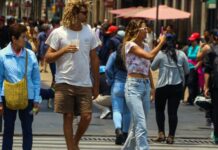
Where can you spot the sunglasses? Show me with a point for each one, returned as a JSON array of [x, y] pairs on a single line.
[[84, 12], [143, 28]]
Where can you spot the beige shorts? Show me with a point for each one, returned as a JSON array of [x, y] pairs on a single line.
[[104, 100], [72, 99]]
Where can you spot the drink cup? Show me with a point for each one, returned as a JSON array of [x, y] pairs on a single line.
[[76, 42]]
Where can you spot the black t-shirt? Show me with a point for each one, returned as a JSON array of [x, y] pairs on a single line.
[[211, 65]]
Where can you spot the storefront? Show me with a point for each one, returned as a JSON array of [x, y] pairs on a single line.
[[212, 14]]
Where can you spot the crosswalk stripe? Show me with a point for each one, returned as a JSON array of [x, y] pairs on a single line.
[[58, 143]]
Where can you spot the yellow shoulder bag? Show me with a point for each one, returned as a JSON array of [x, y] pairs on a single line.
[[16, 94]]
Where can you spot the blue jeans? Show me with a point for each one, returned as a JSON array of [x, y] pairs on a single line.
[[137, 93], [26, 122], [121, 114]]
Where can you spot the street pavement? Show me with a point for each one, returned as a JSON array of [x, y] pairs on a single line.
[[96, 143], [192, 133]]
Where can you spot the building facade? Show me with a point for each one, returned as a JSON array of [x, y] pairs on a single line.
[[16, 8], [35, 9], [204, 13], [203, 16]]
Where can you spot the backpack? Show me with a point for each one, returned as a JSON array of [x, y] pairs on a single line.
[[115, 42], [104, 53]]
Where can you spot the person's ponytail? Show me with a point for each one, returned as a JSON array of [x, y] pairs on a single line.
[[170, 50]]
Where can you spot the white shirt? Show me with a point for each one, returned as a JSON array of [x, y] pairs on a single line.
[[97, 37], [73, 68]]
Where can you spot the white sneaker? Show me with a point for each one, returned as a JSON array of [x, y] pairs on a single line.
[[49, 103], [212, 126], [105, 113]]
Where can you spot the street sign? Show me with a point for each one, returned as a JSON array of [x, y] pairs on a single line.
[[211, 4]]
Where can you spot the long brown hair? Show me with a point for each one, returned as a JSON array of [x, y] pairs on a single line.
[[132, 31]]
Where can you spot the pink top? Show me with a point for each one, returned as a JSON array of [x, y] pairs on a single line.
[[135, 64], [200, 73]]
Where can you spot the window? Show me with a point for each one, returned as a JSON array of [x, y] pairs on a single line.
[[170, 3], [187, 5]]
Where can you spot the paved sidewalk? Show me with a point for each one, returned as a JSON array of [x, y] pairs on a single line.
[[191, 124], [191, 121], [192, 134]]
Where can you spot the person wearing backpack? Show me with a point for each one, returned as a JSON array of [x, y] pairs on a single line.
[[211, 81], [116, 74]]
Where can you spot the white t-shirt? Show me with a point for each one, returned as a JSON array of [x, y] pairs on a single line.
[[97, 37], [73, 68]]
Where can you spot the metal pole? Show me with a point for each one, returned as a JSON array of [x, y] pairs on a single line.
[[19, 9], [118, 6], [157, 18]]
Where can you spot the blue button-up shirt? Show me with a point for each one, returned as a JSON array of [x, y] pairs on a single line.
[[113, 74], [12, 69]]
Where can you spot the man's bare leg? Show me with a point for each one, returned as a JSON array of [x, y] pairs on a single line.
[[82, 127], [68, 130]]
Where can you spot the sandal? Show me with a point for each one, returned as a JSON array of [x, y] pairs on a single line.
[[160, 138], [170, 139]]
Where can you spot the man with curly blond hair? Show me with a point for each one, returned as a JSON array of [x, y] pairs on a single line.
[[73, 48]]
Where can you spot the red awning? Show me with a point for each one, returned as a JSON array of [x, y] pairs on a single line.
[[130, 13], [165, 13], [123, 10]]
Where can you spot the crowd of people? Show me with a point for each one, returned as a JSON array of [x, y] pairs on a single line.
[[107, 66]]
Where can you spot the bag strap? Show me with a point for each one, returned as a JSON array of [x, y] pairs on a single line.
[[26, 64], [180, 73], [26, 70]]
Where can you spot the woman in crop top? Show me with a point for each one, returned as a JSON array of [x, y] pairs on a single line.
[[137, 87]]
